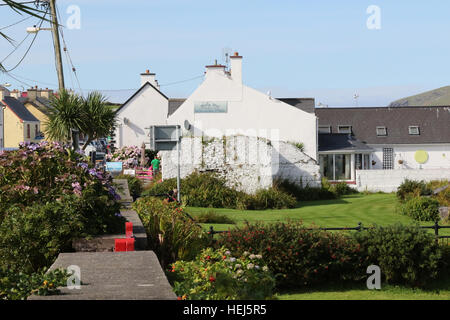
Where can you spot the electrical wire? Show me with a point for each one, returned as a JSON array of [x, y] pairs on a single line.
[[29, 47], [16, 48], [2, 28]]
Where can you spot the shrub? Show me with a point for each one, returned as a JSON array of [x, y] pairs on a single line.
[[304, 193], [217, 275], [171, 233], [16, 285], [410, 188], [271, 198], [443, 197], [341, 189], [421, 209], [210, 190], [32, 237], [44, 173], [211, 216], [298, 257], [405, 254], [134, 185]]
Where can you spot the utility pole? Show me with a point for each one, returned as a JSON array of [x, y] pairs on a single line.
[[56, 44]]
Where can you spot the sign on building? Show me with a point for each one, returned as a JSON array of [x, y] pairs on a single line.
[[210, 106]]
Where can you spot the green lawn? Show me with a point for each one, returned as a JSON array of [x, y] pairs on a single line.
[[440, 292], [345, 212]]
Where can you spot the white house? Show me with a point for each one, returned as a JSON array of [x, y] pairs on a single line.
[[377, 148], [146, 107], [223, 106]]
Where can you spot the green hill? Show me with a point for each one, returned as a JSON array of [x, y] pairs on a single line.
[[437, 97]]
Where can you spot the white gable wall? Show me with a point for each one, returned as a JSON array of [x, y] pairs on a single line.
[[250, 112], [148, 107]]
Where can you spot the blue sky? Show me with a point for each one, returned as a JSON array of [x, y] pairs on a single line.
[[321, 49]]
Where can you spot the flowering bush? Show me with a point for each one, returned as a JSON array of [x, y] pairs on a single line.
[[298, 257], [18, 286], [48, 196], [130, 156], [217, 275], [171, 233]]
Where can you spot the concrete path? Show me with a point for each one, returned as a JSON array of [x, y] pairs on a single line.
[[114, 276]]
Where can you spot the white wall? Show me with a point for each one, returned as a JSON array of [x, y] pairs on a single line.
[[439, 156], [248, 163], [250, 112], [390, 180], [147, 108]]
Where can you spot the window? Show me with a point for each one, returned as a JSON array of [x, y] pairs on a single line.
[[345, 129], [36, 129], [335, 166], [324, 129], [414, 130], [388, 159], [381, 131], [362, 161], [28, 131]]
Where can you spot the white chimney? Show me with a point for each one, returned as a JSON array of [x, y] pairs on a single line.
[[236, 67], [148, 77], [215, 68]]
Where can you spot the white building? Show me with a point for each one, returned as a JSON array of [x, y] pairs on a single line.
[[146, 107], [223, 106], [377, 148]]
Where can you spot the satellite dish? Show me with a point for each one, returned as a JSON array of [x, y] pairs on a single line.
[[187, 125], [126, 120]]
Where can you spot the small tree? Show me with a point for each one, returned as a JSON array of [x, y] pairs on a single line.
[[91, 116]]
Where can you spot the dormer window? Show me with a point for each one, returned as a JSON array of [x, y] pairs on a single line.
[[381, 131], [324, 129], [345, 129], [414, 130]]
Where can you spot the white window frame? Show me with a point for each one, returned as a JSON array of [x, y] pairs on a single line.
[[410, 128], [345, 126], [325, 127], [382, 128]]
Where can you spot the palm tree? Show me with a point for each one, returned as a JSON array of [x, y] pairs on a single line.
[[66, 113], [99, 119], [91, 116]]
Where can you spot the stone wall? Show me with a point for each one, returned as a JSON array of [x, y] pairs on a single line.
[[248, 163], [390, 180]]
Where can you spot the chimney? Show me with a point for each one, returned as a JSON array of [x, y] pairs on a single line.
[[32, 93], [236, 67], [148, 77], [4, 93], [15, 94], [47, 93], [215, 68]]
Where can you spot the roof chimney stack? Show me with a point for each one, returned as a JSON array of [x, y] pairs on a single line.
[[148, 77], [236, 67]]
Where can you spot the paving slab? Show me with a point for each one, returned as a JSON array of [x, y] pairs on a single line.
[[114, 276]]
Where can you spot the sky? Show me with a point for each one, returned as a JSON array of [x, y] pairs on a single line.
[[322, 49]]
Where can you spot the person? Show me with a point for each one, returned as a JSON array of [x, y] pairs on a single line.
[[155, 166], [173, 195]]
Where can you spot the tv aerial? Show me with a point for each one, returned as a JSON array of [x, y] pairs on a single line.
[[355, 97]]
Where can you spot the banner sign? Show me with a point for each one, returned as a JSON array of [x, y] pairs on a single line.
[[211, 107], [114, 166]]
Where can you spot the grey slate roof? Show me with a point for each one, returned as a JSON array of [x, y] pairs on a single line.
[[433, 122], [341, 142], [174, 104], [19, 109], [305, 104]]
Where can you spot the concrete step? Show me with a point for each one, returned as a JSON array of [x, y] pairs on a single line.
[[133, 275]]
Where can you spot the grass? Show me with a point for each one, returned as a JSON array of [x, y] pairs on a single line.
[[440, 291], [345, 212]]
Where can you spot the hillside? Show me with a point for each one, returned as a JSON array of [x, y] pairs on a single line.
[[437, 97]]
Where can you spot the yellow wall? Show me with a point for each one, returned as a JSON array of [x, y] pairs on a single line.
[[42, 117], [13, 129], [16, 131]]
